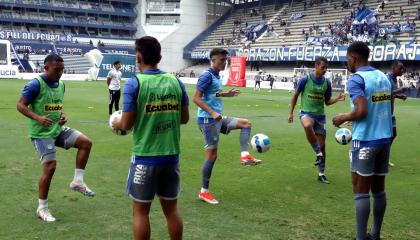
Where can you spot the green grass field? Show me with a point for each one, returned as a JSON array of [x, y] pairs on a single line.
[[279, 199]]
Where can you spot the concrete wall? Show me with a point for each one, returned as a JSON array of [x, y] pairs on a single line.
[[193, 22]]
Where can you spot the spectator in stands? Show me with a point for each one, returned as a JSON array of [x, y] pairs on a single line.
[[418, 13], [401, 13], [382, 5], [192, 74], [90, 42], [304, 5]]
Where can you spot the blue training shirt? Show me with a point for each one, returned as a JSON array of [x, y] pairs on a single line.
[[130, 94], [356, 87], [209, 84], [32, 88]]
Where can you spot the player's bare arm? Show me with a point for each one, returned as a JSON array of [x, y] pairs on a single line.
[[340, 97], [22, 107], [360, 111], [293, 101], [231, 93], [125, 122]]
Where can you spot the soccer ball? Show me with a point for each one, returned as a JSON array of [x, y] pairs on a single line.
[[343, 136], [111, 119], [260, 143]]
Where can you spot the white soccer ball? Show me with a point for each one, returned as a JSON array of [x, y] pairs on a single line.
[[343, 136], [111, 119], [260, 143]]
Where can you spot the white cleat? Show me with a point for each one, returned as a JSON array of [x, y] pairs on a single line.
[[82, 188], [45, 215]]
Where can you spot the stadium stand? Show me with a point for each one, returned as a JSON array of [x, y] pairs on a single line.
[[294, 25]]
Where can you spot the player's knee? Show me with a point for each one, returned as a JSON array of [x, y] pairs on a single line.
[[86, 143], [49, 167]]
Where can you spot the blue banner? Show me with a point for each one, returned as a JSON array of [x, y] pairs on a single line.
[[337, 54], [297, 15], [15, 35], [128, 65]]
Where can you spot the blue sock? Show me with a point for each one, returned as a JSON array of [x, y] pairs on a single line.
[[379, 207], [206, 172], [315, 146], [362, 203], [244, 138], [321, 167]]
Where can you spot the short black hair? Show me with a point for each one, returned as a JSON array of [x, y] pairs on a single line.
[[318, 60], [53, 58], [116, 62], [359, 48], [397, 63], [149, 48], [217, 51]]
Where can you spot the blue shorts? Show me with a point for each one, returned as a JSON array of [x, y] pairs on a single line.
[[146, 181], [368, 161], [211, 130], [45, 147], [320, 127]]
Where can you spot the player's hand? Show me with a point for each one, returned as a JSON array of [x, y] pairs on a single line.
[[216, 116], [44, 120], [290, 118], [116, 124], [341, 97], [348, 123], [338, 120], [63, 119], [232, 93]]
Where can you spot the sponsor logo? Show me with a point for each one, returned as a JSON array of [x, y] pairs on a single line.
[[165, 126], [381, 97], [162, 107], [162, 97], [316, 97], [140, 174], [53, 107]]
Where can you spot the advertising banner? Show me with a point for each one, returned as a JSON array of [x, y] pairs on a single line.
[[237, 72]]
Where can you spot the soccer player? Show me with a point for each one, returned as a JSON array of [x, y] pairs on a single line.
[[371, 114], [208, 97], [315, 91], [258, 79], [398, 70], [113, 81], [155, 104], [42, 102]]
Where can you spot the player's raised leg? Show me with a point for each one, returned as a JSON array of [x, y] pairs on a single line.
[[245, 126]]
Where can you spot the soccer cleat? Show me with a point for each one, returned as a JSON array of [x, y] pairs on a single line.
[[45, 215], [323, 179], [370, 237], [318, 160], [249, 160], [207, 197], [82, 188]]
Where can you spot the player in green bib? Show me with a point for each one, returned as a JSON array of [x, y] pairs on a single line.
[[155, 104], [42, 102], [315, 91]]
